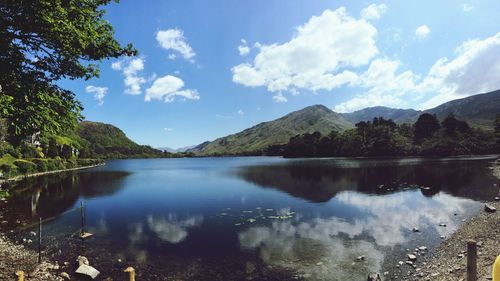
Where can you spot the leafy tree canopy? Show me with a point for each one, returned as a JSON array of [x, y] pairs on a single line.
[[44, 41]]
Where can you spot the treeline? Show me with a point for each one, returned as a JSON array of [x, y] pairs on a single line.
[[382, 137]]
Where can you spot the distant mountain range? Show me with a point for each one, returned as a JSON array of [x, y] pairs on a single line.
[[175, 150], [478, 110]]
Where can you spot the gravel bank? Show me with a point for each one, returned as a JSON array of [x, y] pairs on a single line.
[[17, 257], [450, 259]]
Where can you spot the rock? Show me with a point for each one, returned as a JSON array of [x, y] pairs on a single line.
[[373, 276], [401, 263], [497, 198], [249, 268], [442, 224], [360, 258], [412, 257], [442, 237], [422, 248], [460, 256], [82, 260], [415, 229], [65, 276], [489, 209], [87, 270], [409, 263]]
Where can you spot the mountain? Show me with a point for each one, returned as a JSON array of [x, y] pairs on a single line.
[[176, 150], [396, 114], [478, 110], [100, 140], [253, 140]]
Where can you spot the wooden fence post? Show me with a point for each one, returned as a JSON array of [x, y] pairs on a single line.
[[20, 275], [40, 240], [130, 272], [471, 260]]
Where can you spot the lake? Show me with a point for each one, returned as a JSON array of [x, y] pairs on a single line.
[[244, 218]]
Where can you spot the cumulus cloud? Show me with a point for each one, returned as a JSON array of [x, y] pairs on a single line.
[[167, 88], [373, 12], [131, 70], [173, 39], [98, 92], [467, 7], [243, 49], [316, 58], [474, 69], [240, 112], [422, 32]]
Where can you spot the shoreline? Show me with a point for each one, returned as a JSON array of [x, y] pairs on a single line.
[[449, 260], [21, 177]]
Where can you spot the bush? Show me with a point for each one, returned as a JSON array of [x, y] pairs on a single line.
[[71, 163], [41, 164], [24, 166], [8, 170], [29, 151], [55, 164], [7, 148]]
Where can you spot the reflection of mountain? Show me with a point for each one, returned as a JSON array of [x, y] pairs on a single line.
[[49, 196], [321, 180]]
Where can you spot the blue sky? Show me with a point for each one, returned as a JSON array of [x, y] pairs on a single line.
[[206, 69]]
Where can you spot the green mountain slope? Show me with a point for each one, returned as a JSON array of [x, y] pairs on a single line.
[[99, 140], [478, 110], [396, 114], [252, 140]]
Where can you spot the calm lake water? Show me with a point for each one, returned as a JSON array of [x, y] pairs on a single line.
[[260, 218]]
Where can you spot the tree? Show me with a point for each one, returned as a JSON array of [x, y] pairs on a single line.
[[426, 125], [452, 125], [42, 42]]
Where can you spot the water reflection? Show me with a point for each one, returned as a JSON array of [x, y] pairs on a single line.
[[51, 195], [320, 180], [171, 229]]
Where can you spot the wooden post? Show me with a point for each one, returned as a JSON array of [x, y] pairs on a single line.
[[81, 219], [40, 240], [20, 275], [471, 260], [130, 272]]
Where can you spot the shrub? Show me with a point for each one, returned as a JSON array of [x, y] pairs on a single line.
[[7, 148], [29, 151], [41, 164], [55, 164], [24, 166], [71, 163], [8, 170]]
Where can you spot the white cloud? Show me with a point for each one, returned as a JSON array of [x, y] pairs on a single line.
[[243, 49], [384, 86], [131, 69], [474, 70], [173, 39], [168, 129], [467, 7], [373, 12], [167, 88], [240, 112], [280, 98], [172, 56], [422, 32], [318, 57], [99, 93]]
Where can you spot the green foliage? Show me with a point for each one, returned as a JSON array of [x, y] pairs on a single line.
[[425, 127], [382, 137], [41, 164], [7, 148], [25, 166], [42, 42]]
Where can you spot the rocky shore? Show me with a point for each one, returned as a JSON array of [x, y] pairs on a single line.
[[449, 261], [16, 257]]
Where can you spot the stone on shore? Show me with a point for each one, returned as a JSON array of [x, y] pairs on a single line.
[[88, 271], [412, 257], [489, 209]]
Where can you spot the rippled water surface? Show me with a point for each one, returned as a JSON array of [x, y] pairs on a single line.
[[253, 218]]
